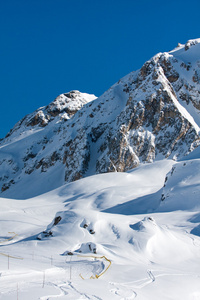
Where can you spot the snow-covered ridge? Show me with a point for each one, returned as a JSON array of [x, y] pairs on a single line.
[[148, 115], [192, 55]]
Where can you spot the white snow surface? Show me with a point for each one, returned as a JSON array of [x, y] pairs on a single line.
[[126, 242]]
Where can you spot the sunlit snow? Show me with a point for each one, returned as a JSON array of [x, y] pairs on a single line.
[[149, 248]]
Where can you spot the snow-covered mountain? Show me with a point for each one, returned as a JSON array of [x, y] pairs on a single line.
[[148, 115], [134, 233]]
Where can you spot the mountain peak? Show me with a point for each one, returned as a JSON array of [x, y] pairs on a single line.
[[69, 103], [62, 108], [148, 115]]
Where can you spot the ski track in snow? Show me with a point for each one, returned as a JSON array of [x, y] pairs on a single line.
[[151, 276], [139, 284], [63, 292], [122, 291], [67, 289]]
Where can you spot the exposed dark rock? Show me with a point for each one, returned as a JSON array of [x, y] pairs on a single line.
[[57, 220]]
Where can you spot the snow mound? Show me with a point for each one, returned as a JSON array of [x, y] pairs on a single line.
[[87, 248], [159, 243], [143, 231]]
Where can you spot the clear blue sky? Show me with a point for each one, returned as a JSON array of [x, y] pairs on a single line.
[[49, 47]]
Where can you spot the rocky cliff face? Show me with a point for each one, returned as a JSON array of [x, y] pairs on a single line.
[[150, 114]]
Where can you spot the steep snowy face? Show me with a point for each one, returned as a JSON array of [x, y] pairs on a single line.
[[182, 187], [150, 114]]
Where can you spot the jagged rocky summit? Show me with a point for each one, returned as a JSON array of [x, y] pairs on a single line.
[[150, 114]]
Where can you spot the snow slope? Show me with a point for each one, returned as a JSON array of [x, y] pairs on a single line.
[[127, 242]]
